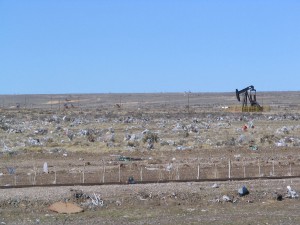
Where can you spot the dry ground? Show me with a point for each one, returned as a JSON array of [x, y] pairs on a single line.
[[182, 130]]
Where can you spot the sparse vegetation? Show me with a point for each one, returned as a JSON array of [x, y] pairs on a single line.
[[74, 140]]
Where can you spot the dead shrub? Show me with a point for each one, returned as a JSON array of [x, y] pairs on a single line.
[[150, 137]]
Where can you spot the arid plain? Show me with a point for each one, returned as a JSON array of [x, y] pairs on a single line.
[[200, 142]]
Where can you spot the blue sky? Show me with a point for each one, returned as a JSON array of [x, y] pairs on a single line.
[[101, 46]]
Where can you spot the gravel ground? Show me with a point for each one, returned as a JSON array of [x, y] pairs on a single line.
[[52, 194], [189, 203]]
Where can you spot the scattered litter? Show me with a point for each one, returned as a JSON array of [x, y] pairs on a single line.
[[281, 143], [34, 141], [110, 137], [291, 193], [151, 168], [284, 130], [143, 196], [243, 191], [241, 139], [215, 185], [192, 128], [84, 132], [253, 147], [45, 167], [131, 180], [118, 203], [226, 198], [169, 167], [251, 124], [41, 131], [238, 156], [128, 120], [11, 170], [5, 148], [96, 200], [192, 210], [178, 128], [278, 196], [126, 158], [78, 194], [65, 208], [183, 148]]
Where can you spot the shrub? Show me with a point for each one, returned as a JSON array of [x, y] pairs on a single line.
[[150, 137]]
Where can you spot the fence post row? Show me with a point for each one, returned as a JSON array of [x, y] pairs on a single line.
[[162, 174]]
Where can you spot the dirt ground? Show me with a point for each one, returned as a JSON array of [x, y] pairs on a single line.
[[152, 137], [183, 203]]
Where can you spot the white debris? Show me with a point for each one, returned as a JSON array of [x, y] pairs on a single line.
[[226, 198], [281, 143], [183, 148], [152, 168], [169, 167], [33, 141], [45, 167], [96, 200], [215, 186], [291, 193], [5, 148], [145, 131], [284, 130]]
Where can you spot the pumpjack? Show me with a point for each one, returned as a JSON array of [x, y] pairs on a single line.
[[249, 94]]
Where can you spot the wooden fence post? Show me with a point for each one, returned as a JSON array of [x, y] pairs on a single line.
[[229, 169], [244, 167], [54, 182], [34, 178], [119, 173], [83, 171], [141, 173], [103, 172], [259, 174], [216, 172], [159, 174]]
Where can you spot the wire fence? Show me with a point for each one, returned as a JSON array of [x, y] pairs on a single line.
[[123, 172], [162, 101]]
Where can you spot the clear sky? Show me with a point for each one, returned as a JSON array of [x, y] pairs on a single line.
[[111, 46]]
